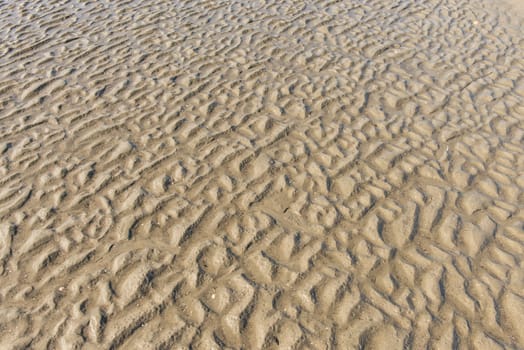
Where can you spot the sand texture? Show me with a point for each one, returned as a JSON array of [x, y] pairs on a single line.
[[267, 174]]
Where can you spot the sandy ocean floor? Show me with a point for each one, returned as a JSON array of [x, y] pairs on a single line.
[[277, 174]]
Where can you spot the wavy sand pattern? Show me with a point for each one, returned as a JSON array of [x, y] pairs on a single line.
[[261, 174]]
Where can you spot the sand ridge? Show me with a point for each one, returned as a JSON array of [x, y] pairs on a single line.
[[263, 174]]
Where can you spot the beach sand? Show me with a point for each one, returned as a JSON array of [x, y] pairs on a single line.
[[261, 174]]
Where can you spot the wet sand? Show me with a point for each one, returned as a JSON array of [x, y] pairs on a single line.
[[261, 174]]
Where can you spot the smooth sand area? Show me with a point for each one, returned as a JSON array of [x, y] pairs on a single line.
[[268, 174], [516, 7]]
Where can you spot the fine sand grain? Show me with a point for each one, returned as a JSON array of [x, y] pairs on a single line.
[[275, 174]]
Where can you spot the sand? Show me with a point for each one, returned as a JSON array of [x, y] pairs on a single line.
[[261, 174]]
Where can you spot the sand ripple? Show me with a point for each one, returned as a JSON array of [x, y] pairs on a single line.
[[261, 174]]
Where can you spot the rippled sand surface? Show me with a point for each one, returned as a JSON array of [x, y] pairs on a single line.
[[261, 174]]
